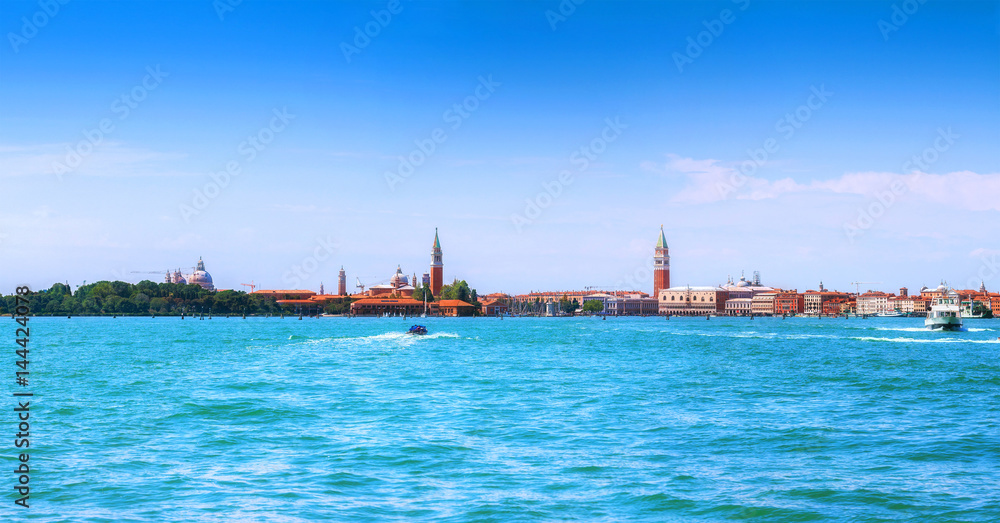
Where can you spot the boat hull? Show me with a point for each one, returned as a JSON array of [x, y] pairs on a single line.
[[946, 324]]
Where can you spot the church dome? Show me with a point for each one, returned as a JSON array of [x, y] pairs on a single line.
[[201, 277], [399, 279]]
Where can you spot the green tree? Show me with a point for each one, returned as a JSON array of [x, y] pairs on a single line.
[[593, 306], [159, 305], [141, 302]]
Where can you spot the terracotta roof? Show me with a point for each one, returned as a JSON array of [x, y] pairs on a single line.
[[320, 297], [283, 292], [452, 303], [387, 301], [296, 302]]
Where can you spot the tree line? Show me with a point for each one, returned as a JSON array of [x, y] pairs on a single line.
[[140, 299], [171, 299]]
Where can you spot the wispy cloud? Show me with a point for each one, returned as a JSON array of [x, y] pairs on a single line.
[[108, 159], [707, 180]]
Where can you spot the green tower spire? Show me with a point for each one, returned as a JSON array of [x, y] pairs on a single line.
[[662, 242]]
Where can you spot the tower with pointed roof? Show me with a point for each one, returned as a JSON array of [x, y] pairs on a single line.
[[661, 265], [437, 267], [342, 282]]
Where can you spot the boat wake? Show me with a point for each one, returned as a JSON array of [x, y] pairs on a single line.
[[404, 336], [924, 340]]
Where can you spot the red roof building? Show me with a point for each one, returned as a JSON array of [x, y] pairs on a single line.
[[391, 306], [455, 308]]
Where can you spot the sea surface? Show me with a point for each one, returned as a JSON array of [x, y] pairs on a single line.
[[523, 419]]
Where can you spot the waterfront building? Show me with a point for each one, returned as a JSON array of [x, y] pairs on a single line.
[[605, 300], [391, 306], [497, 296], [455, 308], [437, 267], [284, 294], [738, 306], [873, 302], [692, 301], [763, 304], [788, 303], [903, 303], [743, 291], [813, 301], [834, 306], [937, 292], [543, 296], [494, 307], [661, 265]]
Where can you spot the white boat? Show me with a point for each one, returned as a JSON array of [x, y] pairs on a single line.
[[945, 313], [893, 314]]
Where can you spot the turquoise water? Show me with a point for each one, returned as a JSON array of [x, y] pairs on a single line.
[[267, 419]]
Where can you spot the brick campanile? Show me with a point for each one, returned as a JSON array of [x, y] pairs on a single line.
[[437, 268], [661, 265]]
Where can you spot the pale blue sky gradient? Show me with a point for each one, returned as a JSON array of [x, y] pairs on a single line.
[[323, 175]]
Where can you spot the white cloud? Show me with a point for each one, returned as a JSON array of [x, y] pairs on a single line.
[[981, 252], [712, 180]]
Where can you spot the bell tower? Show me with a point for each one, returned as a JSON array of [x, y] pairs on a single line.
[[437, 267], [661, 265]]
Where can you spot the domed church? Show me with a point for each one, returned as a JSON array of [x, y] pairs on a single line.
[[199, 277], [398, 285]]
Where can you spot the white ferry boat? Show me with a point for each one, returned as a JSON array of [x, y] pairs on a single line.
[[945, 313]]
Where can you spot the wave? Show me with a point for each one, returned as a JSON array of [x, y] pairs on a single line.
[[923, 340]]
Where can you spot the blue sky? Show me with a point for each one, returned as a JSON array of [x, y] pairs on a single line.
[[837, 197]]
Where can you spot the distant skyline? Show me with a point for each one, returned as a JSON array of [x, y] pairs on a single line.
[[833, 141]]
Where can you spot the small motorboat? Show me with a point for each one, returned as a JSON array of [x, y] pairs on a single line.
[[417, 329]]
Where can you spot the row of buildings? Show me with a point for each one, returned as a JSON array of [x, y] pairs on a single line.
[[748, 298], [395, 296]]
